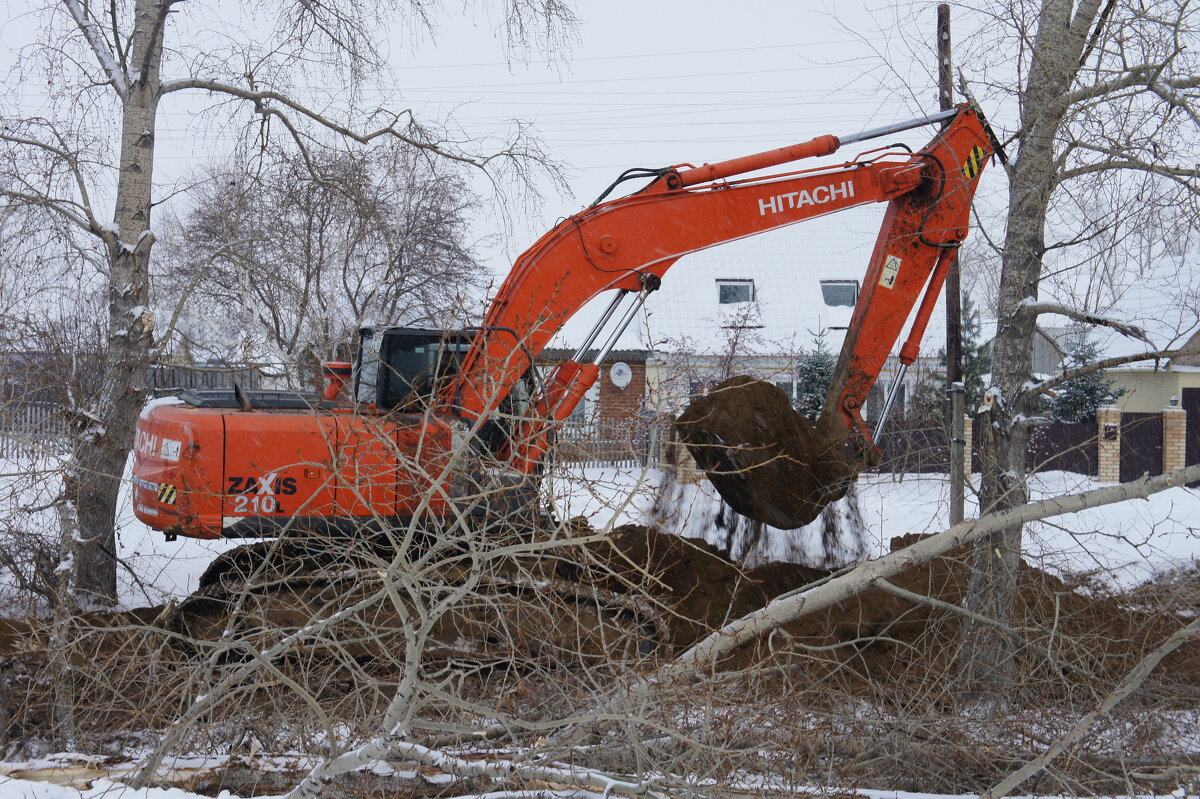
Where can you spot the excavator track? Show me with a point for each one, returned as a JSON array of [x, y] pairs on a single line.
[[519, 610]]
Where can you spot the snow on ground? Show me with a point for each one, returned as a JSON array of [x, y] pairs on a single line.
[[100, 789], [103, 788], [607, 496], [1121, 545], [152, 570], [157, 570]]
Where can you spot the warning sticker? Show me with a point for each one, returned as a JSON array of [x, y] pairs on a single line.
[[891, 268], [167, 494], [170, 449], [974, 162]]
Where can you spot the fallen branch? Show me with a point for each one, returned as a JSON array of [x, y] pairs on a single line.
[[789, 607], [1108, 363], [1136, 676], [568, 777]]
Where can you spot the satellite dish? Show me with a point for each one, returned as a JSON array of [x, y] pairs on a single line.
[[620, 374]]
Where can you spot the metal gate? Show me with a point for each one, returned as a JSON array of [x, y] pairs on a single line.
[[1141, 445], [1191, 450]]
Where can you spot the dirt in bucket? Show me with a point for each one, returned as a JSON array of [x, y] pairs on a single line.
[[768, 462]]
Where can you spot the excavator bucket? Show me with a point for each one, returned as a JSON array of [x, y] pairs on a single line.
[[768, 462]]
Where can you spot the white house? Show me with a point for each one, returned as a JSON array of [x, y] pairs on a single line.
[[756, 305]]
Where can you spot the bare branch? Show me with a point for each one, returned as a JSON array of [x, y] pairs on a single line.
[[60, 207], [1132, 331], [78, 213], [1108, 363], [262, 104], [91, 32], [1091, 45], [1123, 159], [160, 19], [1136, 676], [1142, 75]]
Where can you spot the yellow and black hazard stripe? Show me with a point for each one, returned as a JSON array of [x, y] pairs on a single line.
[[167, 493], [974, 162]]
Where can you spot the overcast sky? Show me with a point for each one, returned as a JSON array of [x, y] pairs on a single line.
[[645, 84], [657, 83]]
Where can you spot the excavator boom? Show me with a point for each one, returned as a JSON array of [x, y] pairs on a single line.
[[627, 245]]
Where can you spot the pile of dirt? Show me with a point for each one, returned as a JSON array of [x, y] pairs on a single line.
[[892, 638], [699, 589], [1067, 640], [767, 461]]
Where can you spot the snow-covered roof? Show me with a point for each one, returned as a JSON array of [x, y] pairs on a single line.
[[1163, 304], [1163, 300], [787, 267]]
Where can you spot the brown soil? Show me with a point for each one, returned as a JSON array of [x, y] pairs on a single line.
[[876, 644], [698, 590], [891, 639], [767, 461]]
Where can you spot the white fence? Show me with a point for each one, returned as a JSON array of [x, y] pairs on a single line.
[[606, 442], [29, 428]]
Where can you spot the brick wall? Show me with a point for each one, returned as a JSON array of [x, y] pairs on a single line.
[[622, 403], [1108, 429], [968, 441], [1174, 438]]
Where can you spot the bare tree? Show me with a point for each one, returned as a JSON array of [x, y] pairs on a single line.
[[298, 262], [110, 63], [1104, 153]]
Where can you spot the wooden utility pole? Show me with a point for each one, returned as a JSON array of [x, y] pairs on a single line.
[[954, 376]]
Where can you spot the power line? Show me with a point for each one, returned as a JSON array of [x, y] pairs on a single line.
[[626, 57]]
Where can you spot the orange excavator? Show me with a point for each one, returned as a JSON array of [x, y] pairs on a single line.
[[426, 406]]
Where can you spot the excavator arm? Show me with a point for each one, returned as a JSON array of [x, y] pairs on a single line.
[[628, 244]]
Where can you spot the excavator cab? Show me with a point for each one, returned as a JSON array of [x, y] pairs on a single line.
[[403, 368]]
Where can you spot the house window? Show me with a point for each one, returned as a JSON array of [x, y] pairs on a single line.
[[731, 291], [839, 292]]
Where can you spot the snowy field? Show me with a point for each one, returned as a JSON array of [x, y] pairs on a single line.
[[152, 570], [1119, 545]]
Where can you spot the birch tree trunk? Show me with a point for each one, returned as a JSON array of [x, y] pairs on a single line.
[[104, 430], [1061, 36]]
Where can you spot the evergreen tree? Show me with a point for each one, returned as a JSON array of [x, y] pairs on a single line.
[[814, 372], [976, 359], [1079, 398], [925, 403]]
